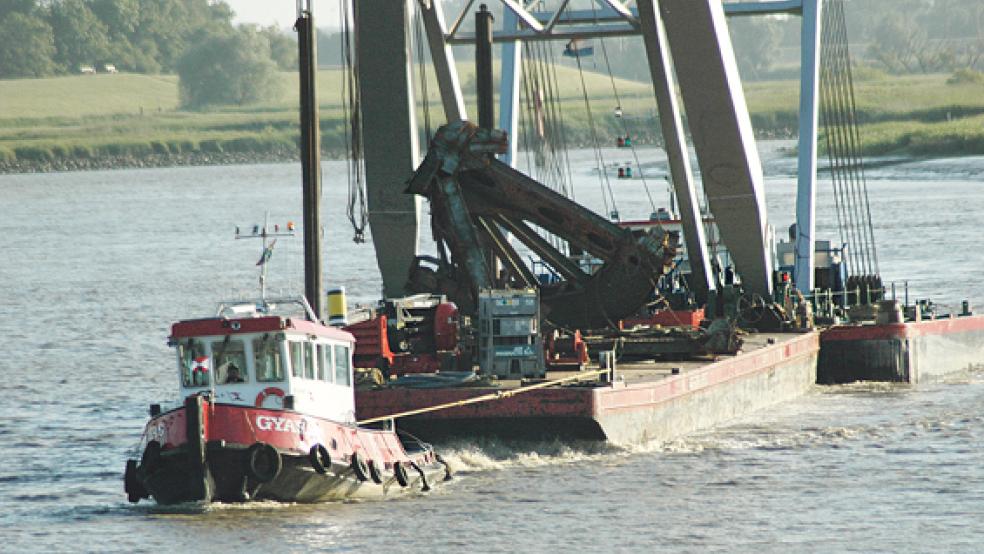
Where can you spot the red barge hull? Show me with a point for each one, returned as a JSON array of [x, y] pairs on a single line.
[[652, 403], [910, 352]]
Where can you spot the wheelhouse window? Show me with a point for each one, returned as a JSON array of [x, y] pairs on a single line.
[[229, 359], [325, 371], [308, 360], [268, 364], [342, 365], [194, 363], [296, 359]]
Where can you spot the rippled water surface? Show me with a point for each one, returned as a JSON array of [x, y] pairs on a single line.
[[97, 265]]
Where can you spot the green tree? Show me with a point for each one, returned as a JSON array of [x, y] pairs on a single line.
[[756, 42], [283, 47], [16, 6], [26, 46], [80, 37], [228, 68]]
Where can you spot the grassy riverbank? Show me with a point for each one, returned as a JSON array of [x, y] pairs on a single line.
[[132, 120]]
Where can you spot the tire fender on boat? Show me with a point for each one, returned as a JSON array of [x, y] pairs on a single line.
[[320, 458], [269, 391], [360, 467], [374, 473], [263, 462], [132, 486], [400, 472], [151, 457]]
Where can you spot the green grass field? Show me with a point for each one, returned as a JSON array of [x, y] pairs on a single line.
[[123, 114]]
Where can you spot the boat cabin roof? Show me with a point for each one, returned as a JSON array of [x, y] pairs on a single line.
[[238, 326]]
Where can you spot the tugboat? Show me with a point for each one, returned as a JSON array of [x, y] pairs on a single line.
[[268, 408], [269, 414]]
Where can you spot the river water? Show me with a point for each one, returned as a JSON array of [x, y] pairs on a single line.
[[97, 265]]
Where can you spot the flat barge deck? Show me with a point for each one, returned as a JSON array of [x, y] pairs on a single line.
[[647, 401]]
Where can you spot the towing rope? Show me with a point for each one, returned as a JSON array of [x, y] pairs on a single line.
[[498, 395]]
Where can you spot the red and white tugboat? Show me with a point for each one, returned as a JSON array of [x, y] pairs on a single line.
[[269, 413]]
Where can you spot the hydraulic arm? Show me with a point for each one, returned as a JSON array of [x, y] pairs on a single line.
[[477, 201]]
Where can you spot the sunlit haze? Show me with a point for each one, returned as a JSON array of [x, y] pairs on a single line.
[[282, 13]]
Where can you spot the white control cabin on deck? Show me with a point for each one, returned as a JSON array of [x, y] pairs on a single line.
[[268, 362]]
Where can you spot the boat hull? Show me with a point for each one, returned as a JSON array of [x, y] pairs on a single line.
[[326, 461], [622, 413], [910, 352]]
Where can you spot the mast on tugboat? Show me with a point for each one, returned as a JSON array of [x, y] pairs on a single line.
[[310, 157], [267, 251]]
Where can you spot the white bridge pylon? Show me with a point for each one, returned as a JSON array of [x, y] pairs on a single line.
[[691, 33]]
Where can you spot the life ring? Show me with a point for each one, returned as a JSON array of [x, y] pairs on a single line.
[[263, 462], [374, 473], [269, 391], [151, 457], [319, 458], [360, 467], [400, 472]]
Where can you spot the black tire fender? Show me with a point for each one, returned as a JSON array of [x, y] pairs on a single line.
[[374, 473], [263, 462], [400, 472], [359, 467], [131, 483], [151, 458], [320, 458]]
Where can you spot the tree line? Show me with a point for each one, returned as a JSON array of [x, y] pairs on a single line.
[[194, 38]]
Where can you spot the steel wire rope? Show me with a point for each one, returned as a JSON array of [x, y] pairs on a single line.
[[842, 145], [356, 209], [557, 124], [856, 135], [620, 116], [850, 148], [599, 157], [834, 123], [422, 71]]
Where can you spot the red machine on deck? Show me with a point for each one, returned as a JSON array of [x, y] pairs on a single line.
[[414, 334]]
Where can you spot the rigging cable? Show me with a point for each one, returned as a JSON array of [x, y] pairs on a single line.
[[356, 210], [843, 141], [619, 114], [599, 157], [422, 72]]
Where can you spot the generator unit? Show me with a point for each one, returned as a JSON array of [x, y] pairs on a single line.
[[510, 345]]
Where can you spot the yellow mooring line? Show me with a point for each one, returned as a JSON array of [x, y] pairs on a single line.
[[487, 397]]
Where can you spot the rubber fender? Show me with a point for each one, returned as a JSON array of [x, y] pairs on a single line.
[[360, 467], [131, 483], [374, 473], [151, 457], [263, 462], [320, 458], [400, 472]]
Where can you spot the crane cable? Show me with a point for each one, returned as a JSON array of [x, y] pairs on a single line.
[[599, 156], [619, 115], [357, 211]]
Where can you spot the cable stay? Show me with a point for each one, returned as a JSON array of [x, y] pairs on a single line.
[[421, 62], [609, 197], [625, 138], [843, 143], [357, 211]]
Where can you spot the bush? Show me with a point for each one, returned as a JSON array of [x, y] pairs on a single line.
[[210, 146], [966, 76], [81, 151], [6, 154], [33, 153], [159, 147]]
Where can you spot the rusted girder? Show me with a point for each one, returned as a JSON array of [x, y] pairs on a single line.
[[475, 198]]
